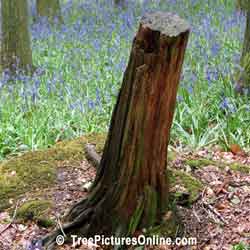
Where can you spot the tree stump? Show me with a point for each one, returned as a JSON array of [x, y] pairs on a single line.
[[130, 191]]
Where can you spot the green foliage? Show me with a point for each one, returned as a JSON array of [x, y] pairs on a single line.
[[241, 246]]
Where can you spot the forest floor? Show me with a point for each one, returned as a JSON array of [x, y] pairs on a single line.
[[219, 218]]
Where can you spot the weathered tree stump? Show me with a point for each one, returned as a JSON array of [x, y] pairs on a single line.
[[130, 191]]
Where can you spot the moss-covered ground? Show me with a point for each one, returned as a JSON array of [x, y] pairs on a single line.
[[35, 210], [200, 163], [38, 169]]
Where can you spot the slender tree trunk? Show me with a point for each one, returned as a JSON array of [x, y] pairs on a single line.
[[243, 81], [130, 191], [15, 44], [246, 44], [50, 9], [120, 3]]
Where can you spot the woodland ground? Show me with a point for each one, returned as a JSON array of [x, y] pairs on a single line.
[[217, 212]]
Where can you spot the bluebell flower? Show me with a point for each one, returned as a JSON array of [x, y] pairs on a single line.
[[215, 49], [227, 105]]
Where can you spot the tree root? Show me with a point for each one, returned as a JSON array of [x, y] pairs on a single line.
[[78, 215], [49, 241]]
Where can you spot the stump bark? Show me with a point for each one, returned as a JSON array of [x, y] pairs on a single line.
[[130, 191]]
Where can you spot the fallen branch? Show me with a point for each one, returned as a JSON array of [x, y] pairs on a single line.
[[60, 226], [239, 184], [211, 208], [196, 216], [12, 220], [92, 155]]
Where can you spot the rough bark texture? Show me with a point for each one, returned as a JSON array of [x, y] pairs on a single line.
[[50, 9], [243, 4], [130, 191], [243, 81], [246, 44], [15, 44]]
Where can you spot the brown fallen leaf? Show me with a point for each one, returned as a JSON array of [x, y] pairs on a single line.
[[222, 205], [237, 150]]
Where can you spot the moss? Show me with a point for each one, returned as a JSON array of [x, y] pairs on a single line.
[[98, 140], [35, 210], [239, 167], [189, 183], [172, 155], [170, 226], [43, 221], [199, 163], [37, 169]]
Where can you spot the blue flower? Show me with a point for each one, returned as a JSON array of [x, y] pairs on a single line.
[[215, 49]]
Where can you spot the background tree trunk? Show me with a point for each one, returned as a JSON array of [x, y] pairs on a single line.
[[121, 3], [246, 44], [15, 44], [130, 191], [243, 81], [50, 9]]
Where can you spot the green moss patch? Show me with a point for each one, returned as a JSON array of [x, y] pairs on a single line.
[[200, 163], [98, 140], [36, 210], [171, 225], [192, 186], [37, 169], [239, 167]]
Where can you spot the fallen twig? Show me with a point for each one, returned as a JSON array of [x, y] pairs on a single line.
[[12, 220], [196, 216], [60, 226], [214, 211], [239, 184], [211, 208]]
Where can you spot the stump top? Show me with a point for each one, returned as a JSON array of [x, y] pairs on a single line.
[[167, 23]]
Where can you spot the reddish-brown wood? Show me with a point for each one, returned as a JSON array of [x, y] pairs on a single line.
[[131, 179]]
